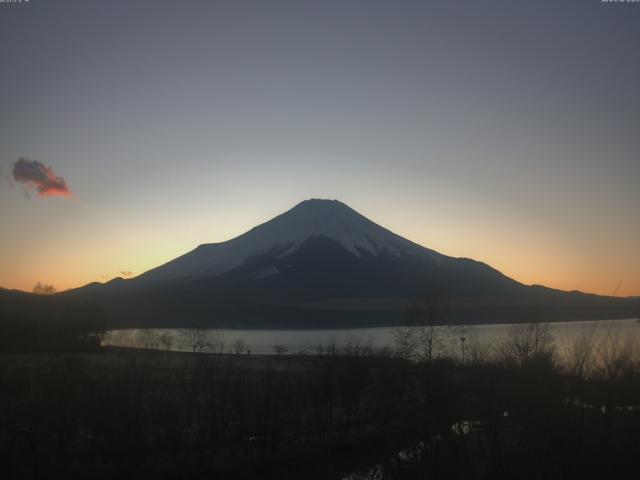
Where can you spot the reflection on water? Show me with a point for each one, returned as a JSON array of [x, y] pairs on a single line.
[[455, 342]]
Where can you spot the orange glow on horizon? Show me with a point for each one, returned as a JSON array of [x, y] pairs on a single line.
[[526, 252], [525, 269]]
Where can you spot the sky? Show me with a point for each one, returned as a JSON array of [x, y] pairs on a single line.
[[507, 131]]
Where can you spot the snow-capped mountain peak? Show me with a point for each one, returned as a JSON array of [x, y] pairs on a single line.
[[286, 233]]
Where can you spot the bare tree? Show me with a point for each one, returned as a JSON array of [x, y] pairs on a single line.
[[44, 289], [430, 337], [405, 341], [166, 340], [239, 346], [615, 354], [475, 351], [217, 342], [148, 338], [195, 339], [581, 355], [526, 343], [280, 349]]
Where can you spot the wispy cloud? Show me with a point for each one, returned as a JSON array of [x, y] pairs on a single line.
[[35, 174]]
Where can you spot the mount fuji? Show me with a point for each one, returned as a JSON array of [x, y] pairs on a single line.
[[288, 233], [321, 263]]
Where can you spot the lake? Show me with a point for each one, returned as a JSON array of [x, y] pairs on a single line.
[[314, 341]]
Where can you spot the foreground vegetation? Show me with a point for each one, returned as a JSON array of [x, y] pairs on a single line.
[[513, 411], [44, 322]]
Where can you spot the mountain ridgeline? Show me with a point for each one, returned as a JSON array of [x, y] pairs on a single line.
[[323, 264]]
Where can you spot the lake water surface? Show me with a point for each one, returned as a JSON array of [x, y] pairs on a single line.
[[311, 341]]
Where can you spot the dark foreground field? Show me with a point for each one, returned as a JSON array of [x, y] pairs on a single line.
[[135, 414]]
